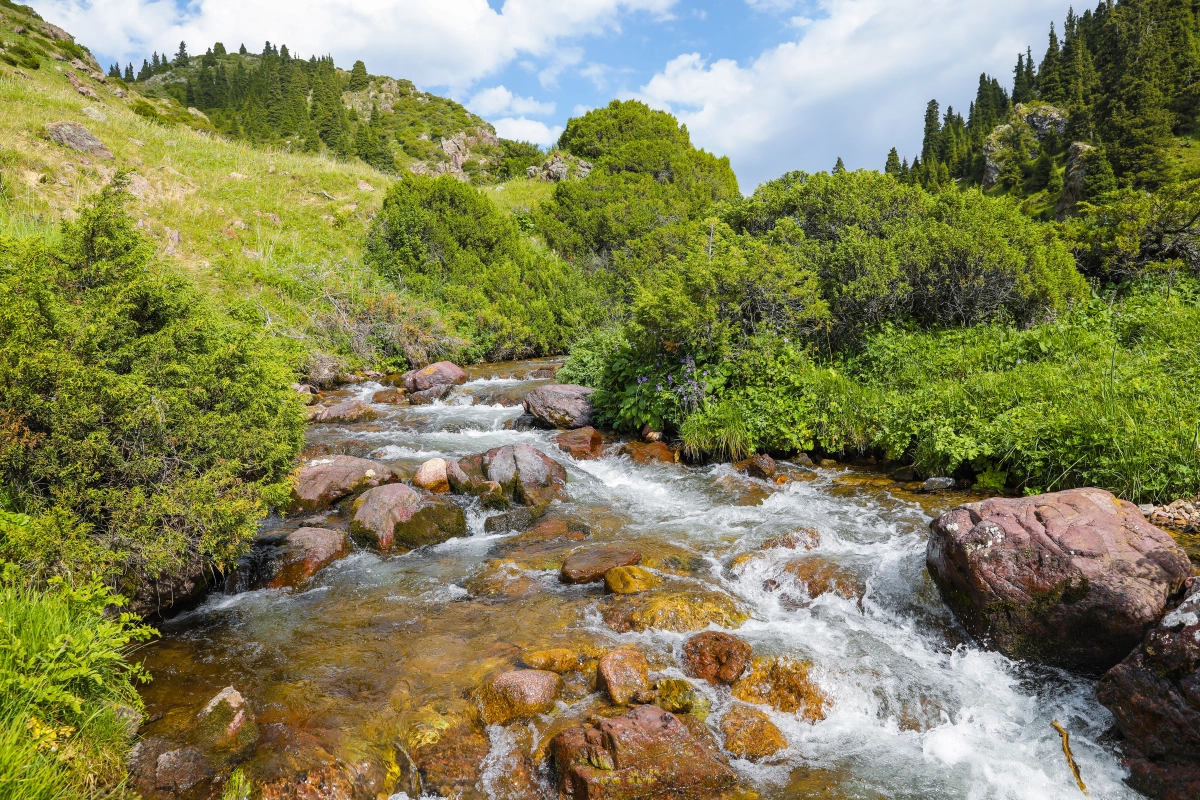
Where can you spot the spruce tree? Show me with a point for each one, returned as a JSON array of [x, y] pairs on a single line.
[[146, 71], [219, 49], [893, 166], [358, 77], [1022, 91], [181, 57], [242, 50], [114, 71], [933, 127], [1049, 77], [154, 62], [840, 167], [129, 72]]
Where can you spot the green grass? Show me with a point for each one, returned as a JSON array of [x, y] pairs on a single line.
[[521, 195]]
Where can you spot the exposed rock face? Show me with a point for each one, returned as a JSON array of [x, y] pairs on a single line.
[[1074, 579], [396, 516], [524, 473], [519, 694], [349, 411], [623, 674], [750, 734], [324, 481], [78, 138], [630, 580], [1042, 118], [716, 657], [991, 156], [647, 753], [560, 405], [558, 168], [434, 476], [443, 373], [1154, 695], [649, 452], [590, 565], [581, 444], [1074, 179]]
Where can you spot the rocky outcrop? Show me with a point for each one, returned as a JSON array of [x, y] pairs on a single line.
[[750, 734], [647, 753], [716, 657], [1074, 178], [1042, 118], [1154, 697], [623, 674], [520, 694], [395, 516], [348, 412], [560, 405], [560, 167], [1074, 579], [581, 444], [590, 565], [78, 138], [324, 481], [524, 474]]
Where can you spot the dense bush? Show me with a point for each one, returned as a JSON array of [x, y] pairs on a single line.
[[443, 239], [141, 429], [66, 691]]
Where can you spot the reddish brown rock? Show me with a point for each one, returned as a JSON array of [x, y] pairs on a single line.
[[623, 674], [759, 466], [324, 481], [590, 565], [1154, 696], [581, 444], [1074, 579], [803, 539], [647, 753], [390, 396], [433, 476], [179, 770], [750, 734], [820, 576], [429, 395], [520, 694], [716, 657], [308, 550], [443, 373], [348, 411], [396, 516], [561, 406], [649, 452]]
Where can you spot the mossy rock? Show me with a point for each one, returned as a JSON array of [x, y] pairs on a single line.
[[679, 611]]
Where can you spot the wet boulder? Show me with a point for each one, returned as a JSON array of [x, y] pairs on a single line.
[[434, 476], [649, 453], [590, 565], [520, 694], [646, 753], [623, 674], [428, 396], [560, 405], [581, 444], [226, 729], [555, 659], [524, 473], [395, 516], [348, 412], [176, 771], [1074, 579], [389, 396], [760, 466], [716, 657], [1154, 697], [750, 734], [820, 576], [296, 558], [785, 685], [680, 611], [630, 580], [324, 481], [442, 374]]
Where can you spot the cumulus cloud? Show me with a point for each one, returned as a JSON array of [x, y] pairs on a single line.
[[451, 43], [852, 83], [499, 100], [527, 130]]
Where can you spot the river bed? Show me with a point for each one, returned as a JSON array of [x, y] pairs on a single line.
[[377, 654]]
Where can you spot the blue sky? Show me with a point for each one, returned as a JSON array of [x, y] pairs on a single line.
[[776, 85]]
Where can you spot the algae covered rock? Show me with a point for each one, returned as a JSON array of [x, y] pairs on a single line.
[[630, 580], [226, 729], [680, 611], [520, 694], [433, 476], [524, 474], [785, 685], [750, 734], [650, 453], [677, 696], [623, 674], [716, 657], [396, 516], [591, 565], [555, 659], [820, 576], [1074, 579], [647, 753]]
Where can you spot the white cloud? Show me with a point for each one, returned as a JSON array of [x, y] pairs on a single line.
[[853, 83], [597, 74], [562, 60], [499, 100], [527, 130], [450, 43]]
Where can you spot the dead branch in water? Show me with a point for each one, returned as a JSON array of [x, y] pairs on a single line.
[[1066, 744]]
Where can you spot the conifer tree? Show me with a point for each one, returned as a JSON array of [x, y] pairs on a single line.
[[114, 71], [933, 127], [129, 72], [893, 166], [359, 79], [181, 57], [146, 71], [219, 49], [1049, 77], [242, 50], [154, 66], [1022, 90], [839, 167]]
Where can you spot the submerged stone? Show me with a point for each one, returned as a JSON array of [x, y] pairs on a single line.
[[590, 566], [623, 674], [750, 734], [679, 611], [519, 694], [785, 685], [630, 580]]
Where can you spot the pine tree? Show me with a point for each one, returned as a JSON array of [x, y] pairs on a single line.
[[1049, 78], [359, 79], [840, 167], [154, 65], [146, 71], [181, 57], [893, 166]]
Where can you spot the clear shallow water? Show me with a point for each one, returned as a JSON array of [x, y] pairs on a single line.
[[350, 668]]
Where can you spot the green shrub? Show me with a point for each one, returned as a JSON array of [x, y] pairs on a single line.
[[66, 687], [141, 427]]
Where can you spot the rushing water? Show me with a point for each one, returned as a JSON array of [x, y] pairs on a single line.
[[376, 646]]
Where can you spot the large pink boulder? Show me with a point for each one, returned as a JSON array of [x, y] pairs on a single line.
[[524, 473], [443, 373], [395, 516], [560, 405], [647, 753], [324, 481], [1074, 579], [306, 552], [348, 412]]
